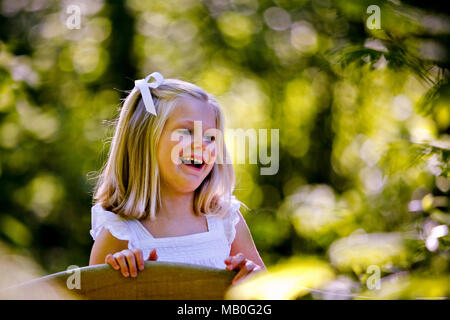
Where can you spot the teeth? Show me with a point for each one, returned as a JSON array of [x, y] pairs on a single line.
[[185, 160], [189, 160]]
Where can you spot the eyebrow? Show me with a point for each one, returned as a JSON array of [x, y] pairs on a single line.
[[191, 122]]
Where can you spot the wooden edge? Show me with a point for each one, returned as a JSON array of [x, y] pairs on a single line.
[[158, 280]]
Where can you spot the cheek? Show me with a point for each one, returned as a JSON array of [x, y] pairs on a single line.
[[165, 156], [208, 170], [164, 153], [210, 153]]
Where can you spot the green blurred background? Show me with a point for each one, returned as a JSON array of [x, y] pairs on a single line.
[[363, 115]]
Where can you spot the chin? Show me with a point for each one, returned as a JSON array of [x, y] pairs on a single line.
[[191, 186], [185, 181], [188, 184]]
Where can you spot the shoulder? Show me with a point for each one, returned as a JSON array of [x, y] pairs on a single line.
[[102, 219], [232, 219]]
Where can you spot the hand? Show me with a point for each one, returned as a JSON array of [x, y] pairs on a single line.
[[245, 266], [128, 261]]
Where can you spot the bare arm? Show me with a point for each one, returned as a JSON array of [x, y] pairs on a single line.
[[108, 249], [105, 244], [243, 243]]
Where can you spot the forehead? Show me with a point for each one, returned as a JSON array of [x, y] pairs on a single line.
[[191, 109]]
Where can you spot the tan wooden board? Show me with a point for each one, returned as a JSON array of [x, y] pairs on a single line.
[[159, 280]]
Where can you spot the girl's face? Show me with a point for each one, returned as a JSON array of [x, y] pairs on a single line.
[[183, 169]]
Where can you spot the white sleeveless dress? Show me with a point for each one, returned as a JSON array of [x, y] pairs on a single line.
[[209, 248]]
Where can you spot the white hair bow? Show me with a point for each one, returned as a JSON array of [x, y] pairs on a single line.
[[144, 87]]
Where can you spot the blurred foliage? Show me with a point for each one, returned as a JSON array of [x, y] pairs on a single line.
[[363, 115]]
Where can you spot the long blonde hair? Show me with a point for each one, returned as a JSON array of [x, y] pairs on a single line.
[[129, 182]]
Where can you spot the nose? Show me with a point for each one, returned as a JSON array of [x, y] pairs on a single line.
[[204, 151], [204, 144]]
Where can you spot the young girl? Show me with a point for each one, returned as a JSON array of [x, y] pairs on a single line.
[[154, 201]]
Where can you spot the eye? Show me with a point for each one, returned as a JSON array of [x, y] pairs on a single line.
[[186, 132], [210, 138]]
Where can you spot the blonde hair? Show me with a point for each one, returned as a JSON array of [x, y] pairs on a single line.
[[129, 182]]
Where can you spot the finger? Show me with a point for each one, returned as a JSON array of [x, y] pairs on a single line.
[[131, 262], [233, 260], [153, 256], [112, 261], [139, 258], [236, 261], [245, 271], [120, 258]]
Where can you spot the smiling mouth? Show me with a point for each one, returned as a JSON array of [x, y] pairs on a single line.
[[192, 163]]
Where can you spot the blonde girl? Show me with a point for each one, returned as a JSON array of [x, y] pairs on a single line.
[[157, 201]]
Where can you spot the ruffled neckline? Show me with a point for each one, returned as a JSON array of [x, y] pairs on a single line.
[[210, 225]]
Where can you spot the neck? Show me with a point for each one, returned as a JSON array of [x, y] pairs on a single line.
[[175, 204]]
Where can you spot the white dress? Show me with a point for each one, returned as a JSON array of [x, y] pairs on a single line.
[[209, 248]]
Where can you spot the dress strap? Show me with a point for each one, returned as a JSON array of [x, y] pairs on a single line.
[[144, 229], [211, 221]]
